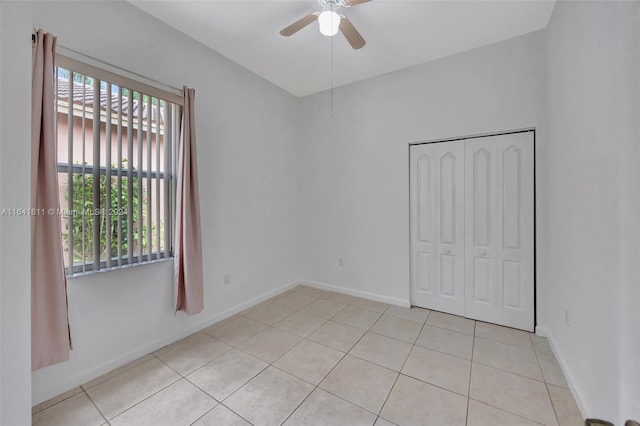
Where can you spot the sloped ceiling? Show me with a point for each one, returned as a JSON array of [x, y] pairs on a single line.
[[399, 34]]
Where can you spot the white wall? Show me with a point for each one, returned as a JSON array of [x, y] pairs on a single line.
[[15, 142], [593, 209], [356, 168], [312, 191], [246, 149]]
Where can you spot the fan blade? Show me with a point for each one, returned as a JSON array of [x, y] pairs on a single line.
[[298, 25], [351, 34], [356, 2]]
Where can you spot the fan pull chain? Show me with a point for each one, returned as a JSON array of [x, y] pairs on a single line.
[[331, 118]]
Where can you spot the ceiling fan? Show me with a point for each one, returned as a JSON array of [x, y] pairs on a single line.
[[330, 22]]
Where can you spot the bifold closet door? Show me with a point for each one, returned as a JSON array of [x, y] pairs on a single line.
[[472, 228], [437, 226], [499, 230]]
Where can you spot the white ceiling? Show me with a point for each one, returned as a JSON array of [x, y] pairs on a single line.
[[399, 34]]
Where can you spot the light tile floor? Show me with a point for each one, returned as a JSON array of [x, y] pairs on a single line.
[[312, 357]]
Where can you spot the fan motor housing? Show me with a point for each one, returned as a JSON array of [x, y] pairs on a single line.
[[333, 4]]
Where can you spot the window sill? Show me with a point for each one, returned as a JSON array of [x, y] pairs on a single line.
[[119, 268]]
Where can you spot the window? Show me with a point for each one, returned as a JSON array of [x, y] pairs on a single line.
[[115, 140]]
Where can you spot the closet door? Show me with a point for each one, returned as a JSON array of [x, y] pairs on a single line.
[[437, 226], [499, 230]]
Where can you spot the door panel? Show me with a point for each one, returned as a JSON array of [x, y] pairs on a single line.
[[499, 219], [424, 201], [512, 191], [512, 278], [481, 180], [425, 267], [482, 279], [447, 275], [437, 226]]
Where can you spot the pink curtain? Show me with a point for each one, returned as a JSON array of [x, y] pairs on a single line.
[[50, 337], [188, 279]]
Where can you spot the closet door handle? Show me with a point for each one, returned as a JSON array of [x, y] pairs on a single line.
[[483, 252], [447, 251]]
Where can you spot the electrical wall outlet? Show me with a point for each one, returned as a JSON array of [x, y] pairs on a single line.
[[340, 262], [227, 279]]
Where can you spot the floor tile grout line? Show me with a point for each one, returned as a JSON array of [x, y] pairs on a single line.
[[332, 369], [33, 413], [85, 390], [351, 325], [347, 401], [543, 380], [95, 405], [375, 363], [449, 329], [168, 366], [153, 357], [387, 420], [206, 363], [147, 397], [388, 394], [263, 360], [401, 368], [297, 310], [340, 350], [205, 413], [508, 371], [269, 363], [442, 352], [409, 308], [394, 338], [321, 380], [202, 390], [300, 404], [271, 300], [220, 402], [304, 337], [236, 413], [418, 379], [344, 355], [316, 387], [84, 387], [198, 368], [473, 343], [546, 385], [504, 409], [507, 411], [244, 384], [530, 349], [433, 385]]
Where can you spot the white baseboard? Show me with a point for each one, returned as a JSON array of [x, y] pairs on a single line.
[[72, 381], [573, 387], [358, 293]]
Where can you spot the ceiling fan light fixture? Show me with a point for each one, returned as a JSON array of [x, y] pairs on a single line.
[[329, 22]]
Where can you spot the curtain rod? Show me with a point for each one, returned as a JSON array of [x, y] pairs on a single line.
[[82, 55]]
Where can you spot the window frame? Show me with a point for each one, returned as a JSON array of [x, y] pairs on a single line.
[[125, 259]]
